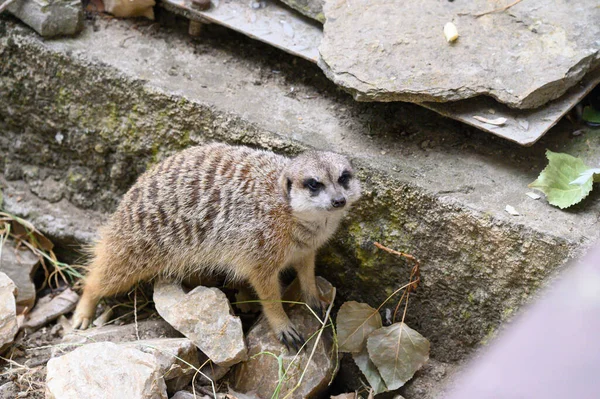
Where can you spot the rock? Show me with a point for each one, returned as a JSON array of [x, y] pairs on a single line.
[[260, 373], [147, 329], [105, 370], [50, 17], [311, 8], [523, 57], [204, 316], [47, 311], [20, 266], [213, 371], [8, 310], [177, 359], [9, 390]]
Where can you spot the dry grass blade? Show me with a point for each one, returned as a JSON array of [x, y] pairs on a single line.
[[25, 234]]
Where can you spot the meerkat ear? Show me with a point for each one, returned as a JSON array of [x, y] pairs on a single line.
[[285, 183]]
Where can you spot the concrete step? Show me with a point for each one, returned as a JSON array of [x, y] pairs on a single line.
[[81, 117]]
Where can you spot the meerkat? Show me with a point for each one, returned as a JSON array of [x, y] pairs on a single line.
[[243, 212]]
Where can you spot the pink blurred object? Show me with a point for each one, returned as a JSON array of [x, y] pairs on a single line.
[[552, 350]]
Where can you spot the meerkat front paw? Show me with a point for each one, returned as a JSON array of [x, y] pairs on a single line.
[[291, 338], [84, 313]]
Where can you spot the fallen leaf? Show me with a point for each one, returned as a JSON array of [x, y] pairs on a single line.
[[398, 351], [355, 321], [555, 179], [495, 122], [370, 371]]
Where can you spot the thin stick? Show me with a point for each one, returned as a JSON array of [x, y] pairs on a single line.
[[502, 9], [416, 270], [5, 5]]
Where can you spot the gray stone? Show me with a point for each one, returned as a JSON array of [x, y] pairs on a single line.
[[260, 374], [50, 309], [20, 265], [204, 316], [50, 17], [396, 51], [177, 359], [147, 330], [49, 189], [105, 370], [311, 8], [8, 310]]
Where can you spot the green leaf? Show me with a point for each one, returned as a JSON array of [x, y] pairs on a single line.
[[591, 114], [555, 179], [355, 321], [370, 371], [398, 351]]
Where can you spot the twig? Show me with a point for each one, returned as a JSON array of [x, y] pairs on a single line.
[[412, 285], [415, 272], [501, 9], [5, 5]]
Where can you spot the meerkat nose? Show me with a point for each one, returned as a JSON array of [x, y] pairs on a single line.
[[338, 202]]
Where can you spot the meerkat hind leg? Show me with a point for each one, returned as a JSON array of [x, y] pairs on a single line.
[[269, 293]]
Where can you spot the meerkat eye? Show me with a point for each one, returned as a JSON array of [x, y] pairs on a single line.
[[313, 185], [345, 178]]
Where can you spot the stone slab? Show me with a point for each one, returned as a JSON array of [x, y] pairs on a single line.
[[432, 187], [273, 24], [523, 126], [50, 18], [523, 57]]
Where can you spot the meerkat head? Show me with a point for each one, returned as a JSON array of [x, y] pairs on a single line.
[[317, 181]]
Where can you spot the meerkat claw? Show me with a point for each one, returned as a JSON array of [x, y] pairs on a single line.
[[291, 339], [319, 310], [79, 323]]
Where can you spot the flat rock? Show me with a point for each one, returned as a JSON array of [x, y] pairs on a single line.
[[20, 265], [105, 370], [50, 309], [147, 330], [396, 51], [204, 316], [311, 8], [8, 310], [50, 17], [259, 375], [177, 359]]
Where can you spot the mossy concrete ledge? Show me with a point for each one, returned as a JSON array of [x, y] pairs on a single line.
[[81, 118]]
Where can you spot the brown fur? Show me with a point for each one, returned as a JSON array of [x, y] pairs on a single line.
[[217, 208]]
